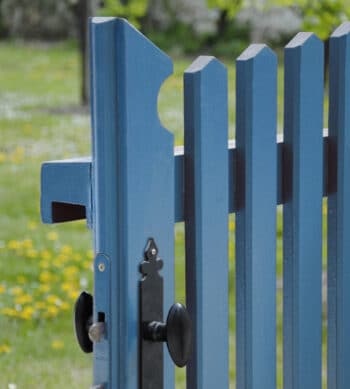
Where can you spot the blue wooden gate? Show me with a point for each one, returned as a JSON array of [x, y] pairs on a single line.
[[135, 188]]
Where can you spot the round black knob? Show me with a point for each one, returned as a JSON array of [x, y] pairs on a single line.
[[179, 334], [83, 321], [176, 332]]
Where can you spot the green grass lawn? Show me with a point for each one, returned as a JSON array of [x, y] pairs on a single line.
[[42, 268]]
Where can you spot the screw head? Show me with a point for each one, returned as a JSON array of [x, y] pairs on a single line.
[[154, 251], [101, 267]]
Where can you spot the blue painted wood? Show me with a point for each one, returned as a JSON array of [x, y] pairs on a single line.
[[206, 222], [133, 185], [256, 218], [339, 211], [61, 185], [65, 190], [302, 212]]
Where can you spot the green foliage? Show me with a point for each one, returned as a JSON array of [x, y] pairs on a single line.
[[319, 16], [133, 10], [322, 17]]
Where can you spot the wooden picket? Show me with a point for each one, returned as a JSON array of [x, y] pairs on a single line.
[[256, 218], [206, 186], [135, 188], [302, 216], [339, 211]]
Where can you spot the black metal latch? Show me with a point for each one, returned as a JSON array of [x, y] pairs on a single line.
[[176, 332]]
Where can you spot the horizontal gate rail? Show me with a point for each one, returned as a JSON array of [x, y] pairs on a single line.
[[59, 183]]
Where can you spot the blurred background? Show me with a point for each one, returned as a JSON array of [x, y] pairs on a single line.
[[44, 115]]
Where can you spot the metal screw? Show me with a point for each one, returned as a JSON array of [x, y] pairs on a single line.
[[154, 251], [101, 267]]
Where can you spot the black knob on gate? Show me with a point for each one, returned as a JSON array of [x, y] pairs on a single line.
[[83, 321], [176, 332]]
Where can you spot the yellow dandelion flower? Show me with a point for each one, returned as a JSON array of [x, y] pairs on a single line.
[[44, 264], [52, 235], [57, 344], [17, 290], [66, 286], [27, 243], [77, 257], [13, 244], [17, 155], [66, 249], [31, 253], [23, 299], [52, 299], [40, 305], [87, 265], [73, 294], [63, 258], [65, 306], [70, 271], [27, 313], [2, 289], [4, 349], [45, 276], [46, 254], [9, 312], [21, 280], [51, 311], [44, 288], [32, 225]]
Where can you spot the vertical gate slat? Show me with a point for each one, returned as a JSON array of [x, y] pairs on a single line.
[[302, 212], [206, 180], [339, 211], [133, 188], [256, 218]]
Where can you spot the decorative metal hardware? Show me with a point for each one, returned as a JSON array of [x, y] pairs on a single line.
[[176, 332]]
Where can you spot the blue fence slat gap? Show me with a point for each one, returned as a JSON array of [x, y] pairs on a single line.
[[206, 222], [256, 107], [339, 211], [302, 212]]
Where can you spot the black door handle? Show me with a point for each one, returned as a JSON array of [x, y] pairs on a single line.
[[176, 332]]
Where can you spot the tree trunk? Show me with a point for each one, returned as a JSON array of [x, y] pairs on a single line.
[[83, 10]]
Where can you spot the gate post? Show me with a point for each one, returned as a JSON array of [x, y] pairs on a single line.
[[132, 191]]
